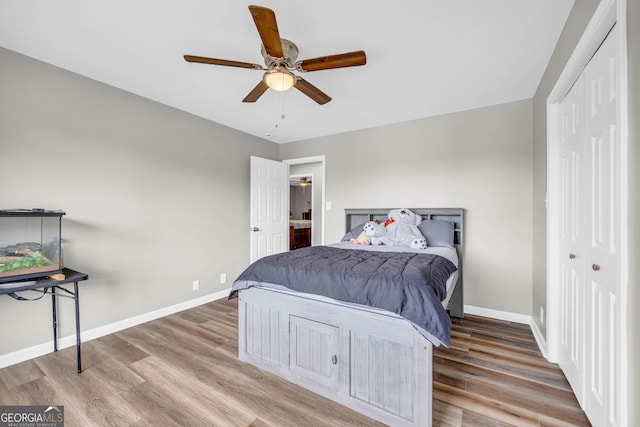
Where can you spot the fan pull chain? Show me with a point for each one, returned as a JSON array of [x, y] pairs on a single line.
[[282, 115]]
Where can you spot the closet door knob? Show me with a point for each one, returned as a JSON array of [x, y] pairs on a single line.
[[595, 267], [334, 359], [255, 229], [572, 256]]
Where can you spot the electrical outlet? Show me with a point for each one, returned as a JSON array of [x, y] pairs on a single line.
[[223, 278], [196, 285], [541, 315]]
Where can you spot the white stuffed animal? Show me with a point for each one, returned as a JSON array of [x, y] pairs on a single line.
[[362, 239], [402, 230], [375, 232]]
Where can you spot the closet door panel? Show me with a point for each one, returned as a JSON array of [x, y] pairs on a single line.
[[602, 271], [573, 232]]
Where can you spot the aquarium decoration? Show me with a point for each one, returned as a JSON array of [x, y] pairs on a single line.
[[30, 244], [22, 256]]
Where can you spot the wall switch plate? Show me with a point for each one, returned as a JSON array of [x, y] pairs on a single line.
[[196, 285], [223, 278]]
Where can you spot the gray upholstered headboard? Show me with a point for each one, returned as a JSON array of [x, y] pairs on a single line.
[[455, 215]]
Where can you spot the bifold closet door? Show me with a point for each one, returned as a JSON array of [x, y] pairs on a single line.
[[602, 339], [572, 237], [590, 236]]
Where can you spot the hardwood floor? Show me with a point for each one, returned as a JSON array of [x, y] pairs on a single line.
[[183, 370], [494, 375]]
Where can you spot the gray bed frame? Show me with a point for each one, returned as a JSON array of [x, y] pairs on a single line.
[[370, 360]]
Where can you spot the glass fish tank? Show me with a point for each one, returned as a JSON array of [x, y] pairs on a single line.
[[30, 244]]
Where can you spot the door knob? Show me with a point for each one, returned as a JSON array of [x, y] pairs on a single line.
[[255, 229], [334, 359], [595, 267], [572, 256]]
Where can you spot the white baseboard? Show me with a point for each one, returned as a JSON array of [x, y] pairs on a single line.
[[512, 317], [497, 314], [542, 343], [70, 340]]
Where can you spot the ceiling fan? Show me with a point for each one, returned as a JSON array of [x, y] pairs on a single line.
[[280, 57], [304, 181]]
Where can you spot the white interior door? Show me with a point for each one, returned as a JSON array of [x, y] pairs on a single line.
[[589, 240], [269, 212], [572, 237], [602, 339]]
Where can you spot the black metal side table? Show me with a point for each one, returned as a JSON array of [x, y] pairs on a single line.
[[48, 285]]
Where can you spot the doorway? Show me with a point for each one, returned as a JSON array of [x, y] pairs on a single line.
[[306, 201], [300, 210]]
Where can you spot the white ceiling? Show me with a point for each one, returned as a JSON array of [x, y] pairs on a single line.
[[424, 57]]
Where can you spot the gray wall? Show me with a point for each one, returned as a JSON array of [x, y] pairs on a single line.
[[479, 160], [155, 198], [578, 20]]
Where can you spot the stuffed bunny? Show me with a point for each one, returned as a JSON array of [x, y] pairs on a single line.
[[362, 239]]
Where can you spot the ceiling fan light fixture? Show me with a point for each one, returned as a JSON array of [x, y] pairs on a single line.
[[279, 79], [280, 59]]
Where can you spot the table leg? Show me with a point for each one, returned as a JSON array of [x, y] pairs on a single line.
[[75, 290], [55, 318]]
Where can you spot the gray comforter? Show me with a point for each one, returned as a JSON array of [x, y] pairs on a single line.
[[407, 283]]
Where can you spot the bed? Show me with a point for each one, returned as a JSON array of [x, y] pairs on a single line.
[[374, 359]]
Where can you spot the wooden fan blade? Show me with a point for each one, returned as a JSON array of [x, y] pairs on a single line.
[[225, 62], [265, 20], [311, 91], [256, 92], [349, 59]]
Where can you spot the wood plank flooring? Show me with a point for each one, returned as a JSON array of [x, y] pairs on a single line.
[[183, 370]]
